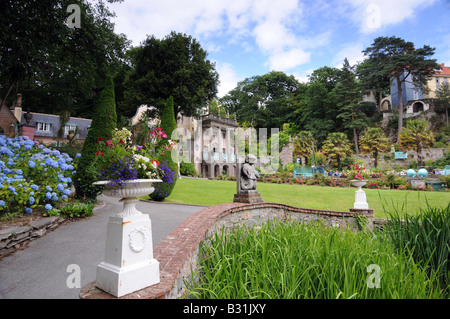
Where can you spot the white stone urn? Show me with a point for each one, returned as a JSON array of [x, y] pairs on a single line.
[[129, 264], [360, 195]]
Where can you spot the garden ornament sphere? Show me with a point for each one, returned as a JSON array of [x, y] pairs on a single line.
[[411, 173], [422, 172]]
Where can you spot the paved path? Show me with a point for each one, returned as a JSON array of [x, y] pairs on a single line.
[[40, 271]]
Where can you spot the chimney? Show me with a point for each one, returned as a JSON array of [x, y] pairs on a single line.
[[18, 108]]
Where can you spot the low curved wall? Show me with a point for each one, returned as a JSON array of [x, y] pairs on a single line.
[[178, 252]]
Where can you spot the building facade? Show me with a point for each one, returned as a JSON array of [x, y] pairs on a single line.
[[416, 99], [38, 126], [208, 142]]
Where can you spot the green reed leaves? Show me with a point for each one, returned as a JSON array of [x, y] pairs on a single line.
[[426, 237], [286, 260]]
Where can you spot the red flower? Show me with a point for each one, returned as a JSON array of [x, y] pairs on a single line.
[[98, 153], [155, 162], [99, 138], [121, 141]]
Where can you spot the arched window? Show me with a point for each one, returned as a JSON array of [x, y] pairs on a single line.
[[385, 105], [418, 107]]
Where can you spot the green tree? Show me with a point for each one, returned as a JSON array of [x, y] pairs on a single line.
[[175, 66], [379, 83], [349, 96], [57, 68], [318, 112], [169, 126], [325, 75], [305, 145], [443, 100], [398, 59], [103, 124], [374, 142], [336, 147], [416, 136], [266, 101]]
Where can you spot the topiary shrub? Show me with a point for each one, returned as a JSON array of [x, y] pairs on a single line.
[[169, 167], [188, 169], [104, 122]]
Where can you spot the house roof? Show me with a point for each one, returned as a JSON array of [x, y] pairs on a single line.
[[445, 70], [83, 124]]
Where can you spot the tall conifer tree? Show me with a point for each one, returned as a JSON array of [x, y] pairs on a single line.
[[169, 166], [103, 124]]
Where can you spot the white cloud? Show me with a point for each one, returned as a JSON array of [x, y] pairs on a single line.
[[303, 77], [286, 60], [271, 24], [353, 53], [228, 78], [375, 14]]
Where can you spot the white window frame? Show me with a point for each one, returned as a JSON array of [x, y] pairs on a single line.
[[43, 127], [69, 127]]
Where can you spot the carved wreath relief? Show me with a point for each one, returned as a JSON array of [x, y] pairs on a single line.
[[137, 239]]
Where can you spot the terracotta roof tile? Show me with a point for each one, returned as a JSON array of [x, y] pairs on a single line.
[[445, 70]]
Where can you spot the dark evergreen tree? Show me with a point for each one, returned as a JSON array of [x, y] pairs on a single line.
[[103, 124], [168, 165], [349, 95]]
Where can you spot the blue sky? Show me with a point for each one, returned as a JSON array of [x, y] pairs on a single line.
[[253, 37]]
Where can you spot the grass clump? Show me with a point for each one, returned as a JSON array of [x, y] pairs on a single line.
[[426, 237], [289, 260]]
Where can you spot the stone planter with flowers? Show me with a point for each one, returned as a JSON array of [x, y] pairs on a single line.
[[128, 171]]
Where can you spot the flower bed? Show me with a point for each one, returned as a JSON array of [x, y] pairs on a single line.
[[32, 177], [375, 180]]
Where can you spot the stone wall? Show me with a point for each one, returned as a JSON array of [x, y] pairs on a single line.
[[14, 238], [178, 252], [428, 154]]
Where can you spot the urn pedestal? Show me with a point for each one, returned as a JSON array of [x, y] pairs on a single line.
[[360, 195], [128, 265]]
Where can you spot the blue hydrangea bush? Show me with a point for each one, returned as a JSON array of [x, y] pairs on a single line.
[[33, 177]]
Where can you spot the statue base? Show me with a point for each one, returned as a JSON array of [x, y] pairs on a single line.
[[250, 197]]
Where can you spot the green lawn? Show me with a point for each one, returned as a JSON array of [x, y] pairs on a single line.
[[213, 192]]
